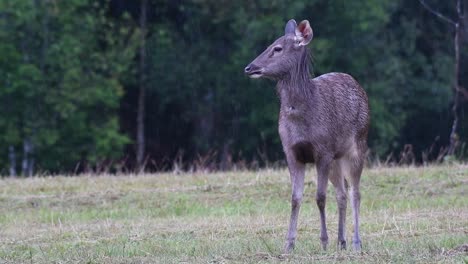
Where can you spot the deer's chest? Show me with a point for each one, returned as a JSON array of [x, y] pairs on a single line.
[[299, 137], [293, 125], [296, 140]]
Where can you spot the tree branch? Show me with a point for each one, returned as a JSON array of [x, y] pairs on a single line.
[[446, 19]]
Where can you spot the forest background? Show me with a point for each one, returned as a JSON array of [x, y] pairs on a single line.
[[158, 85]]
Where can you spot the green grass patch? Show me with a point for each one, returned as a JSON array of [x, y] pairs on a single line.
[[409, 215]]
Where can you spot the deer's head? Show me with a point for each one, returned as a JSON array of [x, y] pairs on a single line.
[[281, 57]]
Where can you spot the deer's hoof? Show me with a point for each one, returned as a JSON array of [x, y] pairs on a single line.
[[342, 245], [357, 245], [324, 246], [324, 241], [289, 247]]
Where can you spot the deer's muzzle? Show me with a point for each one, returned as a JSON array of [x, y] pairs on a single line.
[[253, 71]]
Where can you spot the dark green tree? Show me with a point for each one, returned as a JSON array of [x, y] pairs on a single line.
[[63, 61]]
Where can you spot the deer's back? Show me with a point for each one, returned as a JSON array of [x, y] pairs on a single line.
[[342, 104]]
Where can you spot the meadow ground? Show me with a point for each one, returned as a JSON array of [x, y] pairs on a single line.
[[409, 215]]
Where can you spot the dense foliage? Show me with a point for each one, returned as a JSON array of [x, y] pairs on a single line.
[[69, 78]]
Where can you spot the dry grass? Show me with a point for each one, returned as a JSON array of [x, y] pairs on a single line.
[[409, 215]]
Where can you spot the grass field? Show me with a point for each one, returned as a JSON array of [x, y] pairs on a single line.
[[409, 215]]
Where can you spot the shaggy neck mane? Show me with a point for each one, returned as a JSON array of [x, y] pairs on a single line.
[[298, 81]]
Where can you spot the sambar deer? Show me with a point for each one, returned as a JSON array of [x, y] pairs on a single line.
[[323, 120]]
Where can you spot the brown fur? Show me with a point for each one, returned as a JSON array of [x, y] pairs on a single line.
[[325, 119]]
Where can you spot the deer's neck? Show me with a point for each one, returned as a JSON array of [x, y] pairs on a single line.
[[296, 89]]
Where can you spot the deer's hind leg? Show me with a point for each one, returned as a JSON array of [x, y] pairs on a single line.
[[355, 194], [338, 173]]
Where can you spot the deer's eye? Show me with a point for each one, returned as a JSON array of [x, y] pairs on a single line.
[[277, 49]]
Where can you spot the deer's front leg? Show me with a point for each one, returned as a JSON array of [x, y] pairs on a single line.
[[296, 170]]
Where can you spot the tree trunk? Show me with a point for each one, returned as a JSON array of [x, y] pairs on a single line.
[[26, 169], [453, 133], [12, 158], [458, 26], [140, 155], [30, 171]]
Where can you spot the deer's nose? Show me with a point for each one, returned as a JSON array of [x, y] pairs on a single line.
[[248, 68]]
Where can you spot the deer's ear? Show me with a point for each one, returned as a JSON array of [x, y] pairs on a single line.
[[290, 27], [304, 33]]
